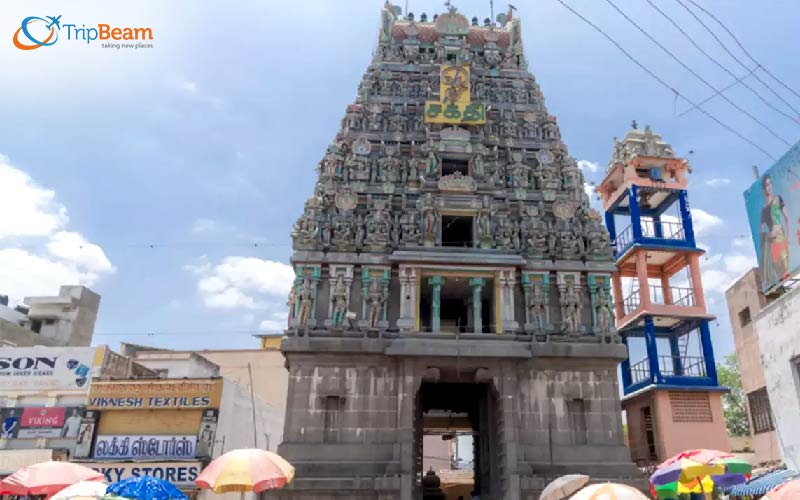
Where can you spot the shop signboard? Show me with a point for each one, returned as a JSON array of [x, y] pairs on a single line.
[[181, 474], [40, 422], [47, 368], [773, 208], [155, 394], [145, 447]]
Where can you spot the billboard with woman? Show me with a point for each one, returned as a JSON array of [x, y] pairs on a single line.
[[773, 207]]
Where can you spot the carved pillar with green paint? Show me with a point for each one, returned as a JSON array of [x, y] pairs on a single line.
[[436, 283], [477, 289]]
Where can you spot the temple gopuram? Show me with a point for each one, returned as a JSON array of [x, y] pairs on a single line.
[[451, 280]]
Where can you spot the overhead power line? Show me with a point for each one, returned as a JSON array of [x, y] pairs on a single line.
[[723, 67], [735, 58], [735, 39], [662, 82], [697, 75]]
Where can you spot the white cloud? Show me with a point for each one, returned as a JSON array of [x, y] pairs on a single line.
[[203, 225], [716, 182], [591, 166], [277, 323], [27, 209], [702, 221], [187, 86], [37, 252], [249, 284]]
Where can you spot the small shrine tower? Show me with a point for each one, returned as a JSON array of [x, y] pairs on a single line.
[[671, 394]]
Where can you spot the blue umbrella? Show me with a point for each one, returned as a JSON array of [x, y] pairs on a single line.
[[146, 488]]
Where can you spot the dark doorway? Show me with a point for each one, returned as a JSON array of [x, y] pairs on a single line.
[[457, 231], [450, 167], [453, 410], [650, 433], [457, 303]]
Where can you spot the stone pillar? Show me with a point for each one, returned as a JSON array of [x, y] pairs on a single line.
[[436, 283], [507, 281], [477, 289], [408, 299]]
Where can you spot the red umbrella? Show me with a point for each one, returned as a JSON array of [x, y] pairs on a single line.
[[47, 478], [700, 455]]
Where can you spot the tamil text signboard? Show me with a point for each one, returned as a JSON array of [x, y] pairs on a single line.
[[773, 208], [46, 368], [155, 394], [145, 447]]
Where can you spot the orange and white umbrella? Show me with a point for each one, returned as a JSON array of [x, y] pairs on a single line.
[[246, 470], [47, 478], [609, 491], [786, 491]]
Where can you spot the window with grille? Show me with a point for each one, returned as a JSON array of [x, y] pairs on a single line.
[[744, 316], [760, 411], [690, 407], [576, 410]]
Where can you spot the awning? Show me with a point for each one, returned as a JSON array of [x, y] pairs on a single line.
[[762, 484], [13, 460]]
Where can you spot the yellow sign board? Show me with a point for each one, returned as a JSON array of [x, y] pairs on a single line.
[[155, 394], [454, 94]]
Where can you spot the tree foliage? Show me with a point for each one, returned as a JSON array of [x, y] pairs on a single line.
[[733, 403]]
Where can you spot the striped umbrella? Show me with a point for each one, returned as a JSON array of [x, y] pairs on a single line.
[[609, 491], [246, 470]]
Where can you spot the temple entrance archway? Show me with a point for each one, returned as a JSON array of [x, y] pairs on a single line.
[[457, 411]]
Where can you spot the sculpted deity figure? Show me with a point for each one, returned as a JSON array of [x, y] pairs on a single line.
[[536, 238], [519, 171], [477, 166], [484, 222], [340, 301], [306, 302], [430, 219], [537, 306], [604, 317], [570, 308], [433, 164], [375, 301]]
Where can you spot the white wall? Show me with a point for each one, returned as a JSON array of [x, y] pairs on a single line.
[[778, 328], [235, 427]]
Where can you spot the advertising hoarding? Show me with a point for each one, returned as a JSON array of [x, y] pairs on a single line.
[[155, 394], [40, 422], [773, 209], [47, 368]]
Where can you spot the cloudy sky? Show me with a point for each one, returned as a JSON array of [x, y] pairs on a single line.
[[168, 178]]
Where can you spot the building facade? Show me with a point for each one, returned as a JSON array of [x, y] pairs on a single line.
[[43, 400], [672, 398], [170, 426], [745, 301], [450, 272], [777, 328], [64, 320]]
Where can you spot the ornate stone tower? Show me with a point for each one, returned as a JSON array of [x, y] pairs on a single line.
[[451, 279], [672, 398]]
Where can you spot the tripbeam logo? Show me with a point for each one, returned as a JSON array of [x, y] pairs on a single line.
[[37, 32], [25, 39]]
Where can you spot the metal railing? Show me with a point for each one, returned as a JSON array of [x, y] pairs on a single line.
[[669, 366], [680, 297], [640, 372], [668, 230], [651, 229]]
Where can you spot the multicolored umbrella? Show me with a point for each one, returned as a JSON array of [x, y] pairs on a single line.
[[83, 490], [246, 470], [564, 486], [144, 488], [609, 491], [698, 471], [47, 478], [790, 490]]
